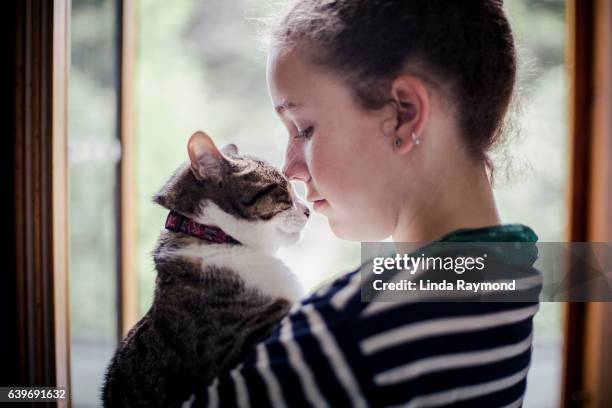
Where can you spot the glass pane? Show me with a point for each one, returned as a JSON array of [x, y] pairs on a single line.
[[536, 195], [94, 154]]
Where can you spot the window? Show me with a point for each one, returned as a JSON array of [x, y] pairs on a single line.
[[94, 158], [540, 183], [198, 67]]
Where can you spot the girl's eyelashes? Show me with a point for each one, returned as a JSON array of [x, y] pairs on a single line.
[[305, 134]]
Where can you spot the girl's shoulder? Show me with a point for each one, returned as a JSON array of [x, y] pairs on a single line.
[[494, 233]]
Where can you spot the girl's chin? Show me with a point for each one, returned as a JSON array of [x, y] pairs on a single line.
[[355, 231], [342, 230]]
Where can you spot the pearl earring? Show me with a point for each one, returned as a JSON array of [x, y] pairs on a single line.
[[415, 140]]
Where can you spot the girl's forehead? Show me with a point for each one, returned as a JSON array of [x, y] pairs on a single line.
[[289, 78], [294, 80], [284, 66]]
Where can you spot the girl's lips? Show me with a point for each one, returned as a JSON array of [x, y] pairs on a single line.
[[318, 203]]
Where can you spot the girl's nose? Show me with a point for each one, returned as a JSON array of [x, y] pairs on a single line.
[[295, 168], [295, 172]]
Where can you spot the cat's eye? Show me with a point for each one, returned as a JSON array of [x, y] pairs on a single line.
[[260, 194], [305, 133]]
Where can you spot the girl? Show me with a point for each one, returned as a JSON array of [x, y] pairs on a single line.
[[392, 108]]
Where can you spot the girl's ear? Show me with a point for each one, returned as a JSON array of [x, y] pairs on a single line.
[[413, 105], [206, 159]]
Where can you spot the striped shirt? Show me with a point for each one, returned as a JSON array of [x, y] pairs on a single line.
[[333, 350]]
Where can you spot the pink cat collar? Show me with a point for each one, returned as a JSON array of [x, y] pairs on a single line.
[[179, 223]]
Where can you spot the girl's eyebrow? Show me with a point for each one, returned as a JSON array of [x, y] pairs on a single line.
[[286, 106]]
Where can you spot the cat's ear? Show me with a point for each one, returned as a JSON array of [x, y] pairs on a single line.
[[159, 198], [206, 159], [230, 148]]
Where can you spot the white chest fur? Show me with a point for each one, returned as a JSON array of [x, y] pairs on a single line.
[[257, 269]]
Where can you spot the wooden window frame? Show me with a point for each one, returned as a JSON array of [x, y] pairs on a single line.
[[36, 291], [588, 326], [128, 293], [41, 35]]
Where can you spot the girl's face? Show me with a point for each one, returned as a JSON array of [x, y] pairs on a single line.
[[337, 149]]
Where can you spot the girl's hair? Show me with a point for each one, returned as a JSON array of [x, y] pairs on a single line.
[[462, 47]]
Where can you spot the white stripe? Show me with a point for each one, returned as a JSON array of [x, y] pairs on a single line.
[[341, 298], [242, 397], [335, 356], [529, 282], [450, 361], [443, 326], [381, 306], [296, 306], [467, 392], [375, 307], [213, 394], [188, 403], [263, 367], [296, 360], [516, 404]]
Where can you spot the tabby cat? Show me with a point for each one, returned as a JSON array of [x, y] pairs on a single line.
[[219, 288]]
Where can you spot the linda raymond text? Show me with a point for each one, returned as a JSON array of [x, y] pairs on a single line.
[[444, 285]]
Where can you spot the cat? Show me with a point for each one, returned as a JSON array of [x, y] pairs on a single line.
[[219, 288]]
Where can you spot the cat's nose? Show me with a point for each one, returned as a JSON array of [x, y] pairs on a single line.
[[300, 206]]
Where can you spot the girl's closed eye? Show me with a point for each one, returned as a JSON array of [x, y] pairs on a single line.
[[305, 134]]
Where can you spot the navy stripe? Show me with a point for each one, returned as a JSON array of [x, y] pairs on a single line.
[[321, 366], [453, 378], [292, 389], [408, 313], [258, 394], [472, 341], [497, 399], [226, 387]]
